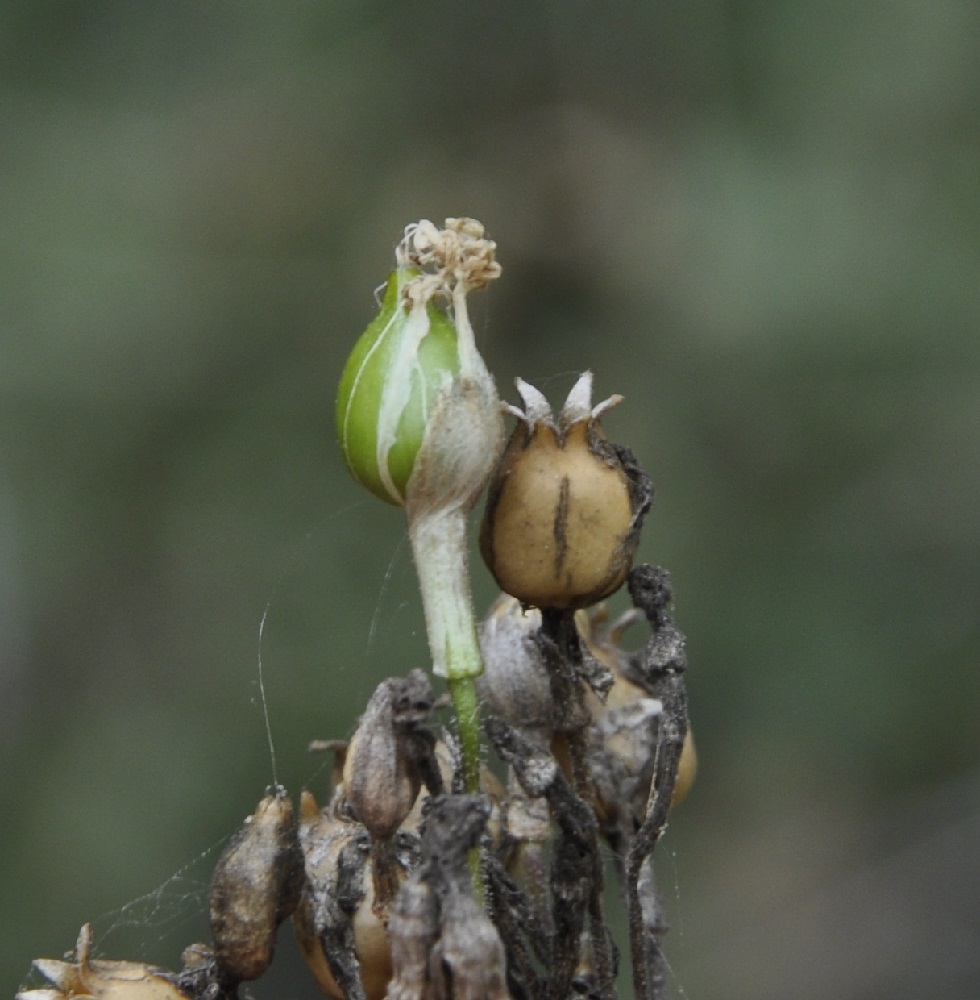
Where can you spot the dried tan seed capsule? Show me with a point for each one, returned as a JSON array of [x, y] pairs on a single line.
[[564, 505], [101, 978], [330, 843], [256, 885]]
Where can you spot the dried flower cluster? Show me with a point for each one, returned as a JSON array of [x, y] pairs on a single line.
[[425, 876], [377, 881]]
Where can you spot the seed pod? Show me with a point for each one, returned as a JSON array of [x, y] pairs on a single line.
[[340, 934], [256, 885], [405, 356], [418, 416], [101, 978], [564, 506]]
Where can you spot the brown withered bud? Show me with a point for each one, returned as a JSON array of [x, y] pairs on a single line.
[[256, 885], [101, 978], [391, 754], [564, 505]]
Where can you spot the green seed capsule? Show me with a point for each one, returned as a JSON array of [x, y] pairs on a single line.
[[392, 377]]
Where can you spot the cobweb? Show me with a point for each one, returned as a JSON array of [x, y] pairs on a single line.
[[156, 926]]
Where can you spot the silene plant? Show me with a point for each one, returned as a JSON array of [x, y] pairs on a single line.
[[466, 862]]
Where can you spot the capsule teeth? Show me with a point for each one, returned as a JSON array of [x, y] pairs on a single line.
[[83, 946], [54, 970], [607, 404], [537, 409], [578, 404]]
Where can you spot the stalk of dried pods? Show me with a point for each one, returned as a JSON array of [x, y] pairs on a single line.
[[425, 877]]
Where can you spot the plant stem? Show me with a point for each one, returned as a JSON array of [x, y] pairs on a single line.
[[463, 693], [440, 548]]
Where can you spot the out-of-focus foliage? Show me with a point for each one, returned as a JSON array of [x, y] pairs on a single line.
[[759, 222]]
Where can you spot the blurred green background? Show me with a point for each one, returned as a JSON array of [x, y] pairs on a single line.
[[760, 222]]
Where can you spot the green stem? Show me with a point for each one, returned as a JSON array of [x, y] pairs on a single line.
[[441, 560], [442, 564], [463, 693]]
